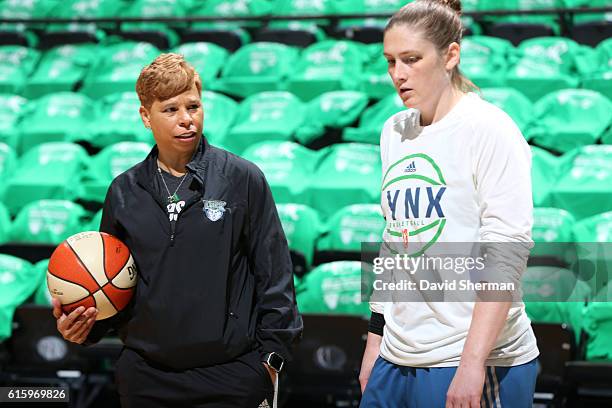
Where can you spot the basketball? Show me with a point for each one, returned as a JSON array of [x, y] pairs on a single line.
[[92, 269]]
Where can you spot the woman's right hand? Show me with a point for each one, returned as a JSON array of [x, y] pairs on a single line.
[[76, 326], [372, 350]]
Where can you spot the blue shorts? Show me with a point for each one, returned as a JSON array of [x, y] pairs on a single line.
[[393, 386]]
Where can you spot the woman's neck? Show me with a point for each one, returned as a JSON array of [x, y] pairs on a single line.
[[445, 103], [173, 164]]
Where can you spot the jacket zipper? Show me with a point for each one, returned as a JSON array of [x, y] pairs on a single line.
[[188, 204]]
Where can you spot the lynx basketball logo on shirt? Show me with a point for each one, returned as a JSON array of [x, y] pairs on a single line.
[[412, 197]]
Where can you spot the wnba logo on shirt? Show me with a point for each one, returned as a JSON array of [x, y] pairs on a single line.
[[413, 191]]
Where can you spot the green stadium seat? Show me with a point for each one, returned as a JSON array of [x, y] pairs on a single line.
[[60, 70], [570, 118], [67, 9], [294, 33], [552, 234], [365, 30], [57, 34], [62, 116], [471, 27], [351, 226], [373, 119], [375, 80], [331, 110], [232, 8], [94, 223], [328, 66], [206, 58], [590, 28], [73, 33], [117, 68], [108, 164], [517, 28], [348, 173], [5, 224], [287, 166], [544, 174], [15, 9], [227, 34], [301, 225], [597, 323], [597, 228], [544, 65], [256, 67], [219, 116], [47, 222], [160, 34], [333, 288], [8, 163], [51, 170], [593, 236], [13, 106], [42, 295], [265, 116], [16, 64], [514, 103], [484, 60], [302, 8], [600, 76], [584, 187], [18, 280], [116, 120], [555, 295]]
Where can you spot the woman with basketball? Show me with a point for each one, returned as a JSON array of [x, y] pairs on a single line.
[[448, 354], [214, 313]]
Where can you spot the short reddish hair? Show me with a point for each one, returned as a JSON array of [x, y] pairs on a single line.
[[167, 76]]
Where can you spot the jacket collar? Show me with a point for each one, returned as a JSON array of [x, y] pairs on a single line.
[[198, 164]]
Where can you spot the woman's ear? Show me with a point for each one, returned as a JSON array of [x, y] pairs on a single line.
[[145, 116], [452, 56]]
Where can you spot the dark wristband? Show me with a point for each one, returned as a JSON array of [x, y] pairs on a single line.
[[377, 323]]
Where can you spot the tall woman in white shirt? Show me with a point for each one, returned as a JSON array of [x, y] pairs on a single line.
[[455, 169]]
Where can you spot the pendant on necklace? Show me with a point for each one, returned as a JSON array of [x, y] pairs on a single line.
[[173, 199]]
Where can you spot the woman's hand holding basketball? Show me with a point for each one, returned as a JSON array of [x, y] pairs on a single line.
[[76, 326]]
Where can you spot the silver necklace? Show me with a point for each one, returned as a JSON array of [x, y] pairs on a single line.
[[172, 198]]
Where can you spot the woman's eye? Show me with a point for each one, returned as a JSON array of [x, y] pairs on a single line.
[[390, 62], [194, 107], [411, 60]]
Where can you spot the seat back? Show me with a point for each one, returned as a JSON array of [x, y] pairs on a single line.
[[301, 225], [9, 117], [334, 288], [47, 222]]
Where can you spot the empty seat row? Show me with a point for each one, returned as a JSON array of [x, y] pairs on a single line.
[[62, 170], [561, 121], [536, 67]]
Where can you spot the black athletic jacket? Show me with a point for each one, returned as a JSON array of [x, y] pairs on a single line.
[[208, 291]]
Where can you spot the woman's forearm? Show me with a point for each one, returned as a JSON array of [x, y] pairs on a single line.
[[488, 319]]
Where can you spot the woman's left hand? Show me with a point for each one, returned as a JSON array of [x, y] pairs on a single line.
[[272, 373], [465, 390]]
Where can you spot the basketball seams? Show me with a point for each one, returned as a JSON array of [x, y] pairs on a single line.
[[84, 267], [68, 306], [66, 280], [110, 298], [127, 258]]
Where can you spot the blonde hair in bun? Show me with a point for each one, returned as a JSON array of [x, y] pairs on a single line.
[[440, 23]]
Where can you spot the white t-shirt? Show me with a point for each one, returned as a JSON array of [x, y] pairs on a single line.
[[473, 168]]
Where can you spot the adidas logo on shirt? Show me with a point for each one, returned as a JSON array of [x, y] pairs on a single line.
[[411, 168], [264, 404]]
